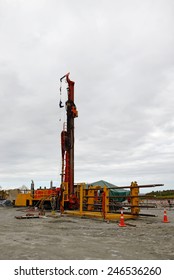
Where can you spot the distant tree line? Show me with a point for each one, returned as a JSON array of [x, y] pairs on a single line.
[[164, 193]]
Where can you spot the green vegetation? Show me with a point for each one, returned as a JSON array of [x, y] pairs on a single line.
[[165, 194]]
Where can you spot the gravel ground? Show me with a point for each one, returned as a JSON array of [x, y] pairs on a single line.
[[65, 238]]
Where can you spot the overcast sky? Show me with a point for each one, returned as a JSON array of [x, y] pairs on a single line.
[[120, 53]]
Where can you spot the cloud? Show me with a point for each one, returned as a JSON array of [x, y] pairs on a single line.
[[121, 58]]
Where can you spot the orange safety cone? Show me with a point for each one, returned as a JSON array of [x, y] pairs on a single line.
[[165, 219], [122, 224]]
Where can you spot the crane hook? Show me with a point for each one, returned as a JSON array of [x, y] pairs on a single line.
[[61, 104]]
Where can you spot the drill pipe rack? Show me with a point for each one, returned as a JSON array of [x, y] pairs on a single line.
[[103, 206]]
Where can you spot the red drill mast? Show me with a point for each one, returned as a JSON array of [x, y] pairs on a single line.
[[67, 138]]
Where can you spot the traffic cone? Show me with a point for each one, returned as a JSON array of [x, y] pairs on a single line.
[[122, 224], [165, 219]]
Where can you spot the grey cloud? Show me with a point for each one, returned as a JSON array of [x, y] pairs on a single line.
[[121, 58]]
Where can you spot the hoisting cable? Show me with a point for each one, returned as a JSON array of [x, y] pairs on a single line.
[[60, 106], [60, 102], [62, 118]]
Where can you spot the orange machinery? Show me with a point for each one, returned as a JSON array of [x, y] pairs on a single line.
[[69, 198], [49, 198]]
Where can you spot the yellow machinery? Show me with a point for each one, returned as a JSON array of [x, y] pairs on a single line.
[[96, 202], [24, 199], [134, 196], [3, 194], [42, 196]]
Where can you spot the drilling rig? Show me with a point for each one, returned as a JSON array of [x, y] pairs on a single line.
[[68, 197], [99, 199]]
